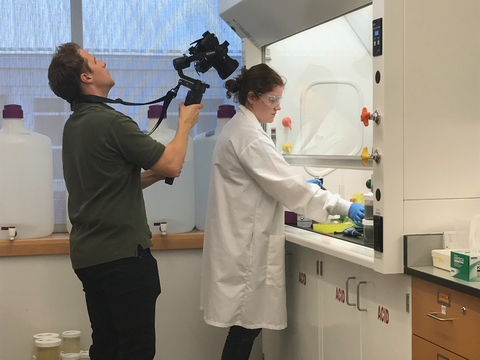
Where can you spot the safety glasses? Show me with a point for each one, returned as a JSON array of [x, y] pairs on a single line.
[[272, 101]]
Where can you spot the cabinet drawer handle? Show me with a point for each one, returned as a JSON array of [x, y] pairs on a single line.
[[358, 296], [433, 315], [348, 302]]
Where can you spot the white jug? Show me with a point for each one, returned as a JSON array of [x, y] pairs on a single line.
[[175, 203], [26, 179], [203, 145]]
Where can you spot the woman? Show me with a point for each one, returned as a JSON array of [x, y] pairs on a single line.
[[243, 272]]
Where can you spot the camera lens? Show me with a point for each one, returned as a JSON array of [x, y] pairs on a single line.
[[225, 66]]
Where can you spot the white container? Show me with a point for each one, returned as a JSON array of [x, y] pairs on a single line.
[[69, 356], [204, 145], [368, 199], [175, 203], [26, 179], [84, 354], [441, 257], [71, 341], [48, 348], [44, 336]]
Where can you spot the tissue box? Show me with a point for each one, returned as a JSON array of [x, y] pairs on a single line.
[[465, 266], [441, 257]]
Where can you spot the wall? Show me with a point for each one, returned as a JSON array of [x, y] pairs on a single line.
[[43, 294]]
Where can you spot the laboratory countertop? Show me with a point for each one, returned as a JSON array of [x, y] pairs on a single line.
[[443, 278], [418, 263], [58, 243], [343, 247]]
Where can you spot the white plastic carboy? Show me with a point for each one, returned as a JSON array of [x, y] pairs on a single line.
[[204, 145], [173, 204], [26, 179]]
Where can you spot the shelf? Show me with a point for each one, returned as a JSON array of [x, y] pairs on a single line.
[[58, 243]]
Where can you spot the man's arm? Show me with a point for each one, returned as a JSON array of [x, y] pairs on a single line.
[[148, 178], [171, 162]]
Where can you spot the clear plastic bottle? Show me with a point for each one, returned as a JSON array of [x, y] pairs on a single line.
[[71, 341], [26, 178], [175, 203], [203, 145], [48, 348]]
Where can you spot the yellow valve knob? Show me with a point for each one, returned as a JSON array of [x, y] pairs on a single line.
[[365, 156], [287, 147]]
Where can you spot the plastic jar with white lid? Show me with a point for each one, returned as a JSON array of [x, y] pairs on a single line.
[[48, 348], [45, 336], [71, 341], [368, 198], [69, 356], [84, 355]]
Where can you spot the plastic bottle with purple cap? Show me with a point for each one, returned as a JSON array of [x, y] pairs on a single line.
[[204, 145], [170, 204], [26, 179]]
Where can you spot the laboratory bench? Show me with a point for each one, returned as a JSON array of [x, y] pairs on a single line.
[[58, 243], [445, 310], [344, 247], [418, 263]]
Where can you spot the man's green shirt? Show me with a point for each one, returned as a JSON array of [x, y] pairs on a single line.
[[103, 153]]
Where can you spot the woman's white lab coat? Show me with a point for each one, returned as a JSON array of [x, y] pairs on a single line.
[[243, 268]]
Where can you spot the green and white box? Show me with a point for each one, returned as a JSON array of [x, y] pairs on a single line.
[[465, 266]]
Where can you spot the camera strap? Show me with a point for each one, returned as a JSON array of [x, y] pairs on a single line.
[[171, 94]]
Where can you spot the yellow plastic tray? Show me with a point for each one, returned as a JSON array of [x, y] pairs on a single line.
[[330, 228]]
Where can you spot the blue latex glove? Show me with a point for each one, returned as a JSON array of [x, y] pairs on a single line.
[[356, 213], [319, 182]]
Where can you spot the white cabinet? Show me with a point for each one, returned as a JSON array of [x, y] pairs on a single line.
[[340, 310], [386, 325], [364, 313], [300, 340], [340, 321]]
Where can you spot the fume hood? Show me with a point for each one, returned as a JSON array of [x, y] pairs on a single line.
[[413, 64]]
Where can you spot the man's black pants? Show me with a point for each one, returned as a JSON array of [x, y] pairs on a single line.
[[121, 297]]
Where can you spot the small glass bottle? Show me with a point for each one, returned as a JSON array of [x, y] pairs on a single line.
[[48, 348], [71, 341]]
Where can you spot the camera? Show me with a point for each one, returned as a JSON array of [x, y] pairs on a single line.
[[206, 53], [215, 55]]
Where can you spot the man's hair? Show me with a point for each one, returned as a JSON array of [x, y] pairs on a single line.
[[64, 71]]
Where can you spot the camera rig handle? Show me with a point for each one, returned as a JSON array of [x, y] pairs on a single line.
[[197, 88]]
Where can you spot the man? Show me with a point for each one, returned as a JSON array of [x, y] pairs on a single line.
[[103, 154]]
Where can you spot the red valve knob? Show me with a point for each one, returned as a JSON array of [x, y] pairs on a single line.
[[365, 116], [287, 122]]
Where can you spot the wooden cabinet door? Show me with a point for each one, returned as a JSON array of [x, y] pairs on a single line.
[[446, 317], [425, 350]]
